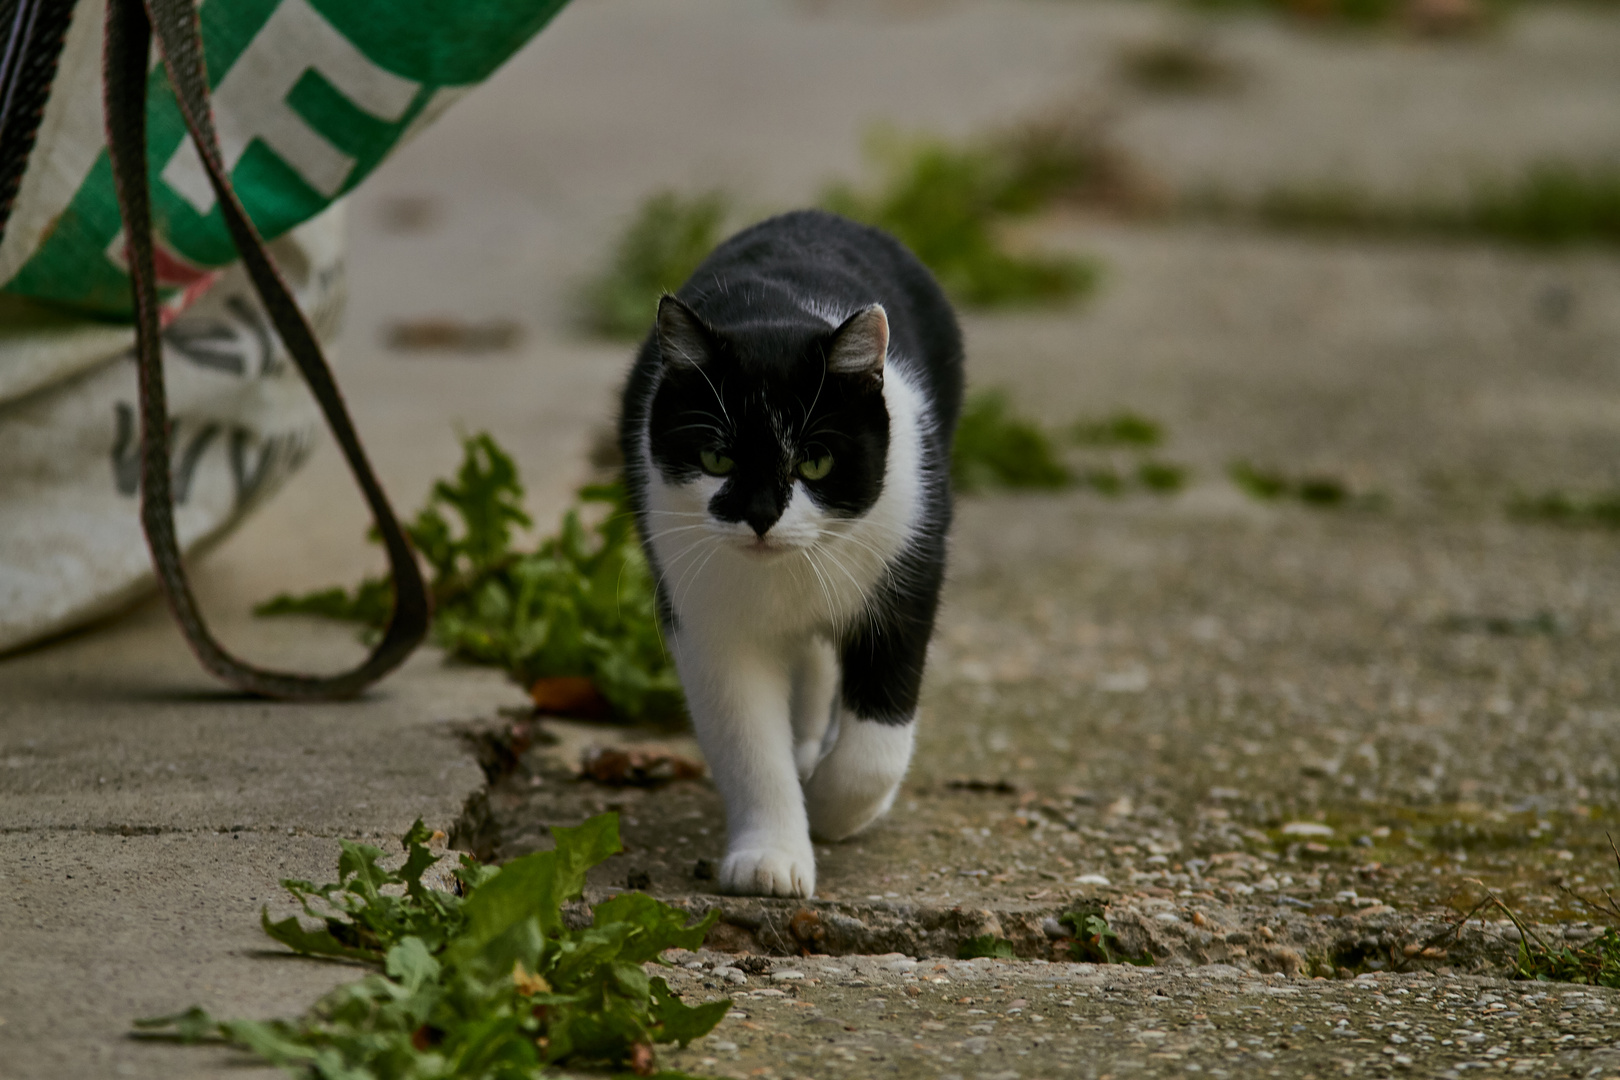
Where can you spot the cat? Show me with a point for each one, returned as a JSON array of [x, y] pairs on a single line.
[[786, 432]]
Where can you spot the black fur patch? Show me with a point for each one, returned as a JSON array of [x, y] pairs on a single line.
[[763, 398]]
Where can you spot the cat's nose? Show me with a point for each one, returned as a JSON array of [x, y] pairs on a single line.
[[761, 521], [763, 512]]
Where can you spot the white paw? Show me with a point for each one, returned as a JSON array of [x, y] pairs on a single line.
[[839, 814], [807, 755], [856, 783], [769, 871]]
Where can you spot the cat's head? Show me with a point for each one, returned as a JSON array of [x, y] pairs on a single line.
[[770, 431]]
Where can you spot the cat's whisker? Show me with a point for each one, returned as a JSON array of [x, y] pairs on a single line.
[[673, 529], [688, 550], [819, 387], [844, 569], [699, 573], [851, 538], [809, 558], [718, 399]]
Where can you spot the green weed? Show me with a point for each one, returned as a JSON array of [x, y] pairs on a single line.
[[1560, 508], [1346, 12], [995, 448], [581, 604], [1554, 204], [945, 202], [1312, 490], [989, 945], [1095, 942], [487, 983], [1161, 476], [1121, 429], [669, 236], [1594, 963]]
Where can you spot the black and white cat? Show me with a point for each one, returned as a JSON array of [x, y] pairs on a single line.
[[787, 435]]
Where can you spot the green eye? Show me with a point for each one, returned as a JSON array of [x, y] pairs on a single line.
[[817, 468], [715, 464]]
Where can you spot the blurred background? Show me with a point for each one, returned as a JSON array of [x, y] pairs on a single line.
[[1365, 239]]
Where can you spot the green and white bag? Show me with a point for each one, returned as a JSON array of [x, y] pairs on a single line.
[[307, 97]]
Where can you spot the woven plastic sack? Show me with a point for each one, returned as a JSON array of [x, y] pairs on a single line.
[[71, 547], [309, 96]]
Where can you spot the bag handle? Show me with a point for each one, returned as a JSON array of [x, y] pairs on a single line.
[[179, 36]]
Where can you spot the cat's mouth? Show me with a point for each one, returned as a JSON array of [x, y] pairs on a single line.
[[764, 546]]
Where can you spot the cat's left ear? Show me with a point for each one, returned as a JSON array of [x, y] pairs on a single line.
[[861, 344], [683, 339]]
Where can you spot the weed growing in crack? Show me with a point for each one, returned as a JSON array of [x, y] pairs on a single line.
[[1561, 508], [1183, 66], [1095, 942], [666, 240], [985, 945], [1121, 429], [948, 202], [995, 447], [1595, 962], [1552, 204], [1161, 476], [581, 606], [486, 982], [1314, 489], [944, 202]]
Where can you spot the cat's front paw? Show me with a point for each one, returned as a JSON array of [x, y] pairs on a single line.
[[769, 871]]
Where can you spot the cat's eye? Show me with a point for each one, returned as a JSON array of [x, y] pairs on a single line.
[[816, 468], [715, 464]]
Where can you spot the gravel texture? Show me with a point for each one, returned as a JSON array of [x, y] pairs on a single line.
[[892, 1015]]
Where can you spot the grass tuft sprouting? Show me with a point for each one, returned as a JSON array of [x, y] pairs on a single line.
[[487, 982]]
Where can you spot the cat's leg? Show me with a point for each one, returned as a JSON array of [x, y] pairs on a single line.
[[857, 781], [738, 699], [881, 667], [815, 689]]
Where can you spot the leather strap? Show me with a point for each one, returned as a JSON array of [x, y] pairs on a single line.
[[129, 32]]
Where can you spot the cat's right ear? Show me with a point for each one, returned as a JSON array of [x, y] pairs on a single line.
[[861, 344], [683, 340]]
